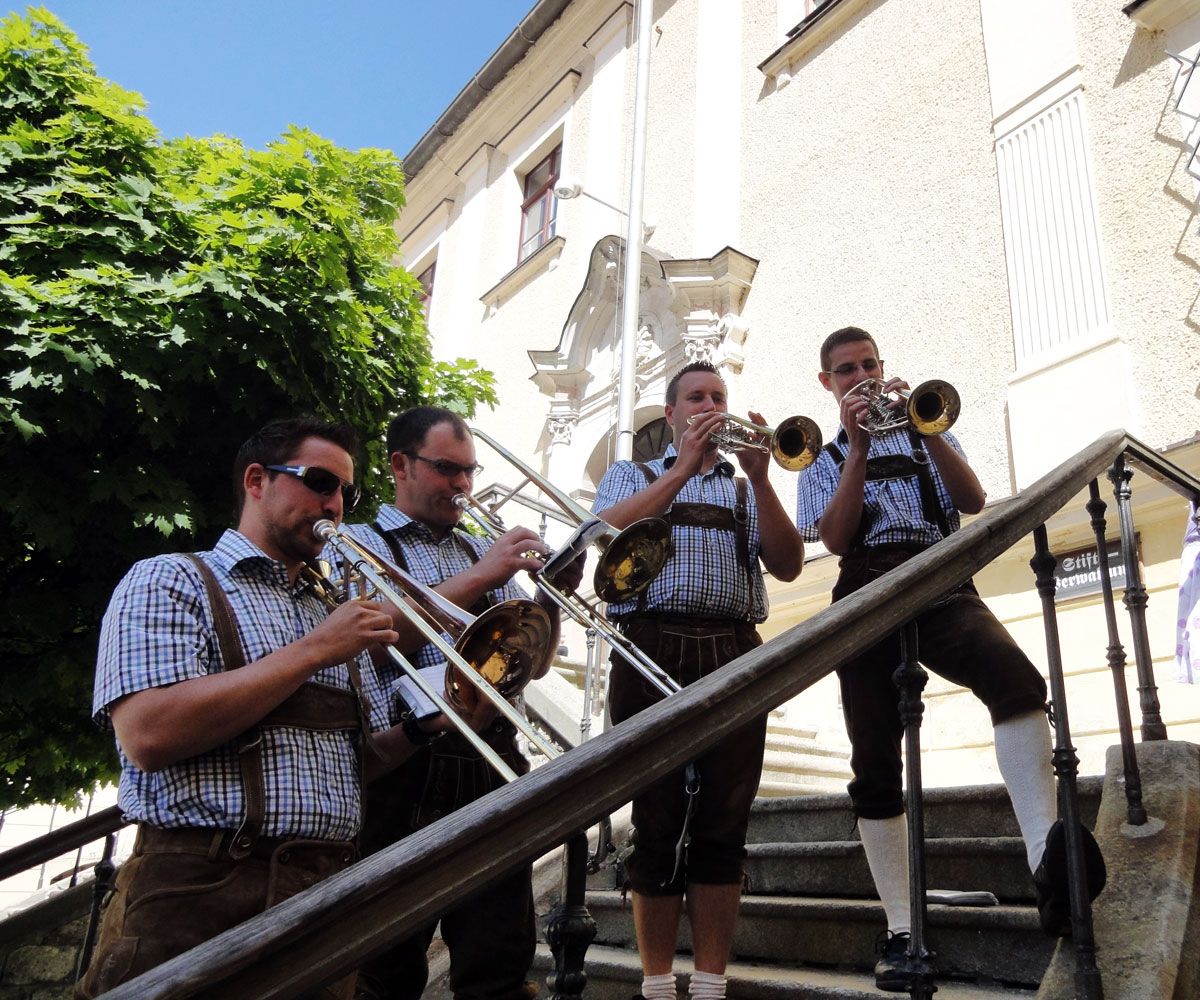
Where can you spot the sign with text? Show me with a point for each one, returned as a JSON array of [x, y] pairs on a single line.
[[1078, 572]]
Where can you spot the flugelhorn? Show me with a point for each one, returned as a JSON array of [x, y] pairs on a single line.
[[494, 654], [930, 408], [629, 559], [794, 444]]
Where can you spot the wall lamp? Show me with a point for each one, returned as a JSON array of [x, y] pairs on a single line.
[[568, 187]]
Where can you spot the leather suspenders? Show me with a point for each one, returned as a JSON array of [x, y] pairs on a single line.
[[312, 706]]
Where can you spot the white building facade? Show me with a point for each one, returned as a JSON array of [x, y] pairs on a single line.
[[1002, 191]]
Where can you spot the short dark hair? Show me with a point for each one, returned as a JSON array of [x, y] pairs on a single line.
[[846, 335], [278, 441], [695, 366], [407, 430]]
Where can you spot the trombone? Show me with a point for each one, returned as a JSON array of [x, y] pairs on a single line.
[[794, 444], [930, 408], [629, 560], [569, 601], [506, 641]]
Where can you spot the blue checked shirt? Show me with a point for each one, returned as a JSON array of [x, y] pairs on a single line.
[[892, 506], [158, 630], [704, 576], [431, 562]]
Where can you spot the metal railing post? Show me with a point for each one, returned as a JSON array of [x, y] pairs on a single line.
[[1134, 809], [1066, 765], [1135, 601], [910, 677], [570, 927], [105, 876]]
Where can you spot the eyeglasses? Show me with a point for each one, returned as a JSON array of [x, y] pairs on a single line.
[[323, 482], [849, 368], [444, 467]]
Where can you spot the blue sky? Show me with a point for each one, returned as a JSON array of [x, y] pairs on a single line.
[[359, 72]]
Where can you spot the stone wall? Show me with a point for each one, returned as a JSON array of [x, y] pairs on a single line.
[[39, 947]]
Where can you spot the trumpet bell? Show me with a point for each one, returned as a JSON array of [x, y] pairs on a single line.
[[632, 560], [933, 406], [796, 443], [504, 645]]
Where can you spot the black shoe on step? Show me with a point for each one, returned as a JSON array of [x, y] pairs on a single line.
[[1051, 884], [892, 971]]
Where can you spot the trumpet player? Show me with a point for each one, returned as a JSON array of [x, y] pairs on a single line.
[[875, 500], [698, 614], [492, 938], [234, 698]]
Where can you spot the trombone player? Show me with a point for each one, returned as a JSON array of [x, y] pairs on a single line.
[[491, 938], [876, 497], [233, 695], [698, 614]]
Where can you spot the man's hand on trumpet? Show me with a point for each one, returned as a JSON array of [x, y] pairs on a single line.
[[754, 462]]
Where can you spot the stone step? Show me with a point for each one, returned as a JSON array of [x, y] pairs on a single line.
[[615, 974], [949, 812], [998, 943], [994, 864]]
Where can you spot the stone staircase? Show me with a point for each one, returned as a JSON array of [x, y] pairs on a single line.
[[809, 919]]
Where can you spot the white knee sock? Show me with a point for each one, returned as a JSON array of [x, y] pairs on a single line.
[[706, 986], [1023, 753], [659, 987], [886, 844]]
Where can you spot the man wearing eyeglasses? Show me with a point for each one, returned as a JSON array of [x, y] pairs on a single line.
[[491, 939], [238, 709], [876, 500]]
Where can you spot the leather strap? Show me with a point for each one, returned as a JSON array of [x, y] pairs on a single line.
[[709, 515], [312, 706]]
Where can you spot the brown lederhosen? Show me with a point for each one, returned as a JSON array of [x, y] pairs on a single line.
[[183, 886]]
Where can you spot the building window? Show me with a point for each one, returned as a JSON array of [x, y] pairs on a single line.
[[539, 207], [651, 441], [425, 278]]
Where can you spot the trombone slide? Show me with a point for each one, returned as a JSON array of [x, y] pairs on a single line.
[[358, 561]]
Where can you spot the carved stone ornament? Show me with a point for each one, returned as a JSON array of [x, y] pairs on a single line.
[[560, 428]]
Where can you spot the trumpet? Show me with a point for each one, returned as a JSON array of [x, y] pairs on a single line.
[[570, 602], [794, 444], [629, 560], [930, 408], [493, 654]]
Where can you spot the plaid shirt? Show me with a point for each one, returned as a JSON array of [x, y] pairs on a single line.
[[892, 507], [158, 630], [431, 562], [704, 576]]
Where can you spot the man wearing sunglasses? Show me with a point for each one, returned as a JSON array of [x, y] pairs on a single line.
[[876, 500], [491, 939], [236, 701]]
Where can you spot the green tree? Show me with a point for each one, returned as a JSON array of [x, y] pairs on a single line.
[[159, 301]]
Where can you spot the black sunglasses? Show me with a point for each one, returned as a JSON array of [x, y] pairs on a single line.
[[444, 467], [323, 482]]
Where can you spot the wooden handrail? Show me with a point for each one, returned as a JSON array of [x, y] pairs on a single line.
[[327, 931], [66, 838]]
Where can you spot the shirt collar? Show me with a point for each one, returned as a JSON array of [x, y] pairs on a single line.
[[234, 550], [392, 518]]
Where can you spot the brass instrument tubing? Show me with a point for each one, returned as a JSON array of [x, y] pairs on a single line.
[[583, 613], [327, 531]]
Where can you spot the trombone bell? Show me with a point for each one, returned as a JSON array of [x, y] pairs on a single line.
[[504, 645], [632, 559]]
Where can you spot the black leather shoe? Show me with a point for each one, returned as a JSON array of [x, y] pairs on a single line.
[[1051, 884], [892, 971]]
